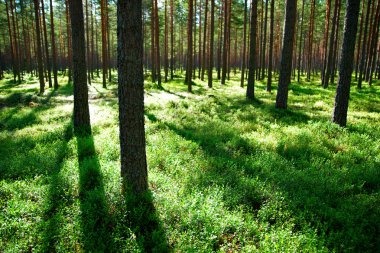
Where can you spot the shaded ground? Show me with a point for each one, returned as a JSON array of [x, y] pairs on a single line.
[[225, 174]]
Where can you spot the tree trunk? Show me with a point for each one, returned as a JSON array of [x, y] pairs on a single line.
[[244, 44], [310, 41], [264, 40], [326, 37], [69, 48], [225, 43], [286, 54], [211, 45], [270, 63], [252, 52], [346, 63], [359, 42], [131, 96], [331, 47], [171, 39], [204, 42], [46, 45], [166, 67], [14, 66], [103, 6], [88, 46], [157, 41], [152, 43], [81, 110], [189, 65], [364, 49], [300, 43], [39, 50], [54, 50]]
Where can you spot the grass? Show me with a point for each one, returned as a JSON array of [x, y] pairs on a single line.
[[225, 174]]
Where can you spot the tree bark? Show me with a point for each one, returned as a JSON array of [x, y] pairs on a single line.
[[131, 96], [189, 65], [204, 42], [244, 44], [252, 53], [81, 110], [364, 49], [157, 42], [103, 6], [270, 63], [286, 55], [346, 63], [46, 45], [225, 43], [39, 50], [211, 45], [54, 50]]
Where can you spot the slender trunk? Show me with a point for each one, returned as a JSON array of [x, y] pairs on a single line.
[[270, 63], [11, 43], [225, 43], [300, 42], [152, 44], [359, 42], [88, 46], [157, 41], [244, 44], [69, 48], [189, 64], [219, 51], [166, 67], [264, 39], [211, 45], [252, 52], [310, 41], [39, 50], [103, 16], [364, 49], [171, 39], [54, 50], [326, 37], [204, 42]]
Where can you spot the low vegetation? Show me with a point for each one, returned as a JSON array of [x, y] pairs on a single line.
[[225, 174]]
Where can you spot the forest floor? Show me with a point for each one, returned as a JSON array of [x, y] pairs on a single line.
[[225, 174]]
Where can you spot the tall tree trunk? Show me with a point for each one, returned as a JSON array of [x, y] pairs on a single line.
[[244, 44], [171, 39], [326, 37], [54, 50], [270, 63], [131, 96], [14, 66], [359, 42], [46, 45], [81, 110], [88, 46], [166, 67], [204, 42], [300, 55], [103, 16], [286, 55], [264, 40], [364, 49], [335, 50], [92, 41], [200, 41], [189, 65], [225, 43], [219, 50], [252, 52], [109, 50], [157, 41], [331, 47], [310, 41], [346, 63], [211, 45], [39, 50], [69, 47], [152, 43]]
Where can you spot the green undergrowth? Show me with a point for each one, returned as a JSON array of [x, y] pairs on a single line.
[[225, 174]]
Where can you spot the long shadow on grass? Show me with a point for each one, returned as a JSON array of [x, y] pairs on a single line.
[[95, 219], [56, 199], [347, 217]]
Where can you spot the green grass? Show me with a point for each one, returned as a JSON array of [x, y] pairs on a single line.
[[225, 174]]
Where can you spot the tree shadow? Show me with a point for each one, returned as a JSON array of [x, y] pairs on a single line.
[[139, 214], [57, 198], [96, 222], [314, 189]]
